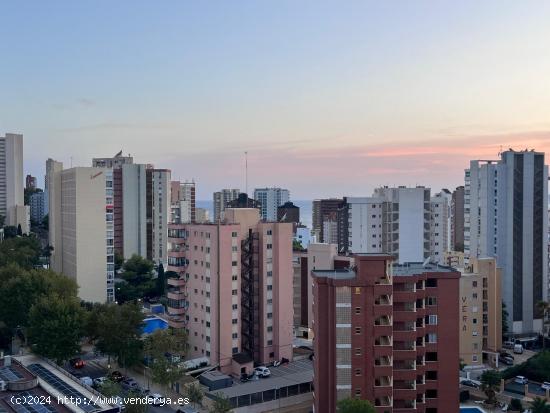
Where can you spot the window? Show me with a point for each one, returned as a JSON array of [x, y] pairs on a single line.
[[234, 335], [207, 309], [234, 321], [269, 232], [269, 342], [234, 278], [357, 310], [432, 319], [357, 290], [269, 287], [269, 315], [431, 356], [431, 394], [431, 301], [235, 306], [208, 324], [234, 263], [234, 234], [357, 372], [474, 284], [233, 292], [431, 338], [234, 248], [269, 246], [358, 351], [269, 329], [431, 282], [235, 350], [431, 375], [357, 330], [270, 301], [270, 273], [358, 393]]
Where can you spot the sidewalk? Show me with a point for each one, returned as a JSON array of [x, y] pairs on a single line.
[[146, 383]]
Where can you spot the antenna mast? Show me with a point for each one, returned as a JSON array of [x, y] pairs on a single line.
[[246, 172]]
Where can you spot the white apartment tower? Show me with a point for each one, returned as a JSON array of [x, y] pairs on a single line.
[[440, 224], [11, 182], [505, 216], [221, 199], [270, 199], [81, 228]]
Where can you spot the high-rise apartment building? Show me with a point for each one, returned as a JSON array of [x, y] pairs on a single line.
[[480, 310], [183, 202], [38, 203], [457, 219], [386, 333], [221, 199], [505, 216], [288, 212], [395, 221], [30, 182], [158, 214], [440, 224], [202, 215], [323, 210], [81, 228], [232, 289], [112, 162], [11, 182], [270, 199]]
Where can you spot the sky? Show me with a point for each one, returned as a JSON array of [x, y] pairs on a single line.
[[329, 98]]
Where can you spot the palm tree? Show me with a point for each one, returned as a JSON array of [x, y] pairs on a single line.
[[540, 406], [490, 383], [544, 308], [221, 404]]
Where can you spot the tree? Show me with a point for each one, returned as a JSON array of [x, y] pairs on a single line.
[[195, 394], [117, 331], [21, 288], [221, 404], [490, 383], [544, 309], [55, 327], [119, 261], [46, 222], [138, 283], [160, 347], [10, 232], [504, 319], [24, 251], [515, 404], [2, 221], [352, 405], [540, 406], [110, 389], [161, 280]]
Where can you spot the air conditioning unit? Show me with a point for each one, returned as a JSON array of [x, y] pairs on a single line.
[[3, 385]]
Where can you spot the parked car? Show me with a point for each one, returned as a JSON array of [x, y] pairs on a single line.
[[87, 381], [155, 399], [99, 381], [130, 384], [116, 376], [521, 380], [469, 383], [262, 371], [518, 349], [77, 363], [509, 344], [545, 386], [506, 354], [506, 360]]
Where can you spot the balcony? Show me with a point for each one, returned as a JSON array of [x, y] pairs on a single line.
[[383, 381], [384, 299], [383, 320], [175, 321], [383, 361], [385, 401], [404, 365], [176, 294], [383, 341], [176, 282]]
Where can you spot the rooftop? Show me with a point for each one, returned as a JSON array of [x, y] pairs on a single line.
[[291, 374], [336, 274], [414, 268]]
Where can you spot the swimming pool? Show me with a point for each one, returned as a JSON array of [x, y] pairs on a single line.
[[152, 324], [471, 410]]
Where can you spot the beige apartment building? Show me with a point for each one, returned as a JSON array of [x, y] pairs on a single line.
[[480, 310], [81, 228]]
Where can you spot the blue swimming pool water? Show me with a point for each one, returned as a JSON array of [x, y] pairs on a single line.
[[152, 324], [471, 410]]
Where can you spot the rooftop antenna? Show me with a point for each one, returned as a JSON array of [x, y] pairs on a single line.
[[246, 172]]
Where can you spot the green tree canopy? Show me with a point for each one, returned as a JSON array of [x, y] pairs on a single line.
[[352, 405], [221, 404], [138, 282], [490, 383], [55, 327], [24, 251], [21, 288], [160, 347], [117, 331], [540, 406]]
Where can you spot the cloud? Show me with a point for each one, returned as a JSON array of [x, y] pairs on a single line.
[[82, 102]]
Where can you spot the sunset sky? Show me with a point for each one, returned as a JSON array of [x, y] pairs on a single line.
[[328, 98]]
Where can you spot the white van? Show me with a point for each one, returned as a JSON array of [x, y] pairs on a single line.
[[518, 349]]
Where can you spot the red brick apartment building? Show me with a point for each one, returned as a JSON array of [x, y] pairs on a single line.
[[387, 333]]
